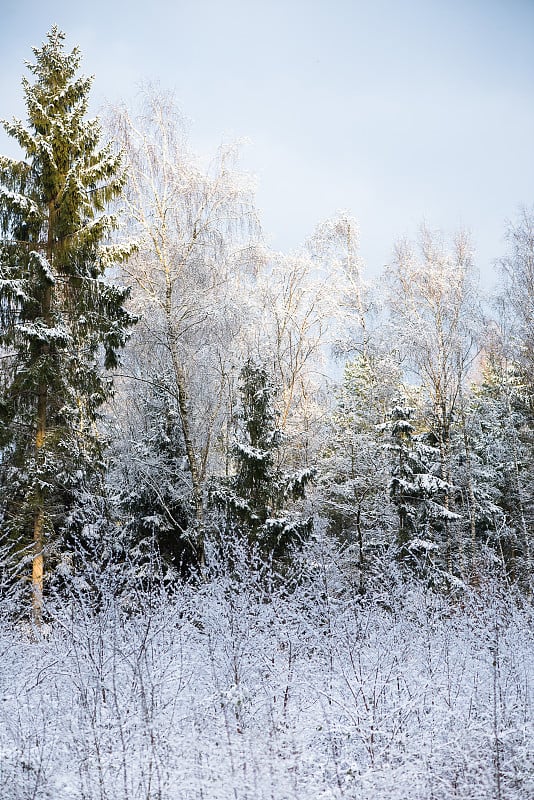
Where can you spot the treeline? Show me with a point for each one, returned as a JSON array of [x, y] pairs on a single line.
[[261, 398]]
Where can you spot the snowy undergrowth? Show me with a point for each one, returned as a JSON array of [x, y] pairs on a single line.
[[220, 692]]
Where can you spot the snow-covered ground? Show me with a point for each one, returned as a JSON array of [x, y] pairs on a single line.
[[223, 692]]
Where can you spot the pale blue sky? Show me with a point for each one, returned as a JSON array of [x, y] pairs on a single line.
[[397, 111]]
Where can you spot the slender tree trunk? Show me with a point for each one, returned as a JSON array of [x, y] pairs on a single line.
[[443, 435], [470, 489], [527, 559], [361, 587], [38, 523], [192, 461], [39, 513], [40, 436]]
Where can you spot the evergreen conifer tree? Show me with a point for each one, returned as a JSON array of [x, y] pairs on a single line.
[[155, 494], [354, 465], [503, 445], [61, 321], [418, 493], [256, 498]]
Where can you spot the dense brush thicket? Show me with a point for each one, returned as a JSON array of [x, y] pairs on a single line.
[[223, 691]]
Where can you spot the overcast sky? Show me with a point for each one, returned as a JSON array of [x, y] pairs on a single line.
[[399, 111]]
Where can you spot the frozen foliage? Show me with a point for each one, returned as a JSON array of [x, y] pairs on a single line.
[[61, 322], [255, 499], [18, 201], [222, 692]]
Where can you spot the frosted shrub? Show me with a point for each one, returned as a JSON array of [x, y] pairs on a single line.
[[226, 691]]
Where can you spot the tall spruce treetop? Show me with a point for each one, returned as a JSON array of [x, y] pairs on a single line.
[[61, 322]]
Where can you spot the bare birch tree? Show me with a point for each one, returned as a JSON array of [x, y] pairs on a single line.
[[435, 317], [196, 230]]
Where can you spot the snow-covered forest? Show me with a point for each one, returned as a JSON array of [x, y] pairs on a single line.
[[266, 525]]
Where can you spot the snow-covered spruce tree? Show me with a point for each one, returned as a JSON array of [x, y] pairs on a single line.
[[354, 467], [149, 465], [502, 433], [62, 322], [255, 501], [419, 494]]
